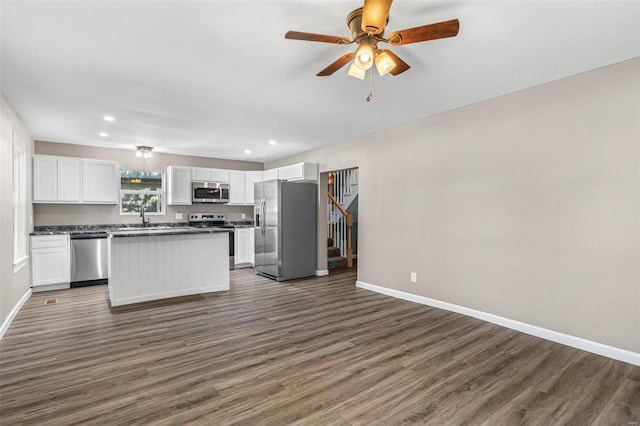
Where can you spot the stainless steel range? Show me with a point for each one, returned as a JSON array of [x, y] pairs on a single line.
[[218, 220]]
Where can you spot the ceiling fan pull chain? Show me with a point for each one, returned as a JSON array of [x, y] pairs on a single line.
[[370, 86]]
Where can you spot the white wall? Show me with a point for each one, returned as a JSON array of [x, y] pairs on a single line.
[[525, 206], [13, 286]]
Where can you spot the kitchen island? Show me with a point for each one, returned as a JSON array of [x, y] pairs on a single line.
[[151, 264]]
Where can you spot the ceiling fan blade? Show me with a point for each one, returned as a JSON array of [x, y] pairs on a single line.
[[426, 32], [336, 65], [323, 38], [375, 15], [401, 66]]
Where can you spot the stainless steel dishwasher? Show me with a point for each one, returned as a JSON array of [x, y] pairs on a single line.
[[88, 259]]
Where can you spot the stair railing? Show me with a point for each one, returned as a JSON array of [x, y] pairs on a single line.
[[348, 216]]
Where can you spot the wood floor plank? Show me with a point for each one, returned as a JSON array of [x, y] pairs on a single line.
[[304, 352]]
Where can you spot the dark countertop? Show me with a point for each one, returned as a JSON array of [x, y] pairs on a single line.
[[157, 231], [169, 228]]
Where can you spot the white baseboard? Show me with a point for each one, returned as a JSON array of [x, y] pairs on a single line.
[[565, 339], [14, 312], [322, 272]]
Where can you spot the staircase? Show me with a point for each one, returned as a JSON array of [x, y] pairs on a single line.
[[342, 213], [334, 258]]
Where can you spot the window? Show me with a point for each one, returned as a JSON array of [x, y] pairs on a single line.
[[19, 206], [141, 189]]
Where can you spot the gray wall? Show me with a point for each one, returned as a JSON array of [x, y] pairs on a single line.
[[12, 286], [67, 214], [525, 206]]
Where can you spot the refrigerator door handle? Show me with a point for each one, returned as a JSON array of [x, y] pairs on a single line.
[[263, 207]]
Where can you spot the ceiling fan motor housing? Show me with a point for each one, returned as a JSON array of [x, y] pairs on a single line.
[[354, 22]]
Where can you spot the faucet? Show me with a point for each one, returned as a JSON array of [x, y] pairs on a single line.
[[144, 222]]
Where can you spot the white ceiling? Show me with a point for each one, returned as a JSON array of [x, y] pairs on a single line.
[[213, 78]]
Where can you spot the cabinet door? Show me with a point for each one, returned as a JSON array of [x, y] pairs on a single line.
[[270, 174], [251, 178], [45, 178], [292, 172], [241, 238], [236, 187], [199, 174], [252, 246], [299, 172], [69, 179], [50, 266], [179, 185], [220, 175], [99, 182]]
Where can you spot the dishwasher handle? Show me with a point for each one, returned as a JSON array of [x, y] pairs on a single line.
[[88, 236]]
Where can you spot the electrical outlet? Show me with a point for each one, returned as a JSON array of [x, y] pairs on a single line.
[[414, 277], [244, 216], [178, 216]]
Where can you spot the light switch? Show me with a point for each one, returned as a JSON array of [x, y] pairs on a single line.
[[178, 216]]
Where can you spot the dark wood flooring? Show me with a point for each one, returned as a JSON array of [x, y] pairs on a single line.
[[316, 351]]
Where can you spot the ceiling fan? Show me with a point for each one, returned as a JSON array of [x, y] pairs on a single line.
[[367, 26]]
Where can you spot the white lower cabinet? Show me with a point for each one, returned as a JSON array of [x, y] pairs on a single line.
[[244, 250], [252, 246], [50, 267]]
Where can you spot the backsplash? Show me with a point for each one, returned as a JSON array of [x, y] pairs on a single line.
[[87, 214]]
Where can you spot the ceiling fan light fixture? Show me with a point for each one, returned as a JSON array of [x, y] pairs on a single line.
[[364, 57], [355, 71], [384, 62]]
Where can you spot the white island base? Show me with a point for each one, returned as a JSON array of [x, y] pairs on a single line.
[[152, 267]]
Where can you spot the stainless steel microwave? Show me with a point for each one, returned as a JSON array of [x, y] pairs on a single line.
[[210, 192]]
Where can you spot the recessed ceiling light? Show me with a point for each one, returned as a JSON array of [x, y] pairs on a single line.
[[247, 151], [104, 135], [109, 118], [272, 142]]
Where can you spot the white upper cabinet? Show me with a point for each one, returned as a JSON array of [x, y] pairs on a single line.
[[179, 185], [241, 186], [251, 178], [299, 172], [99, 182], [45, 179], [270, 174], [201, 174], [74, 180], [237, 187], [69, 179], [303, 172]]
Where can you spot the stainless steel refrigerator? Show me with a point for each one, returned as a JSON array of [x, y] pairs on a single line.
[[285, 217]]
